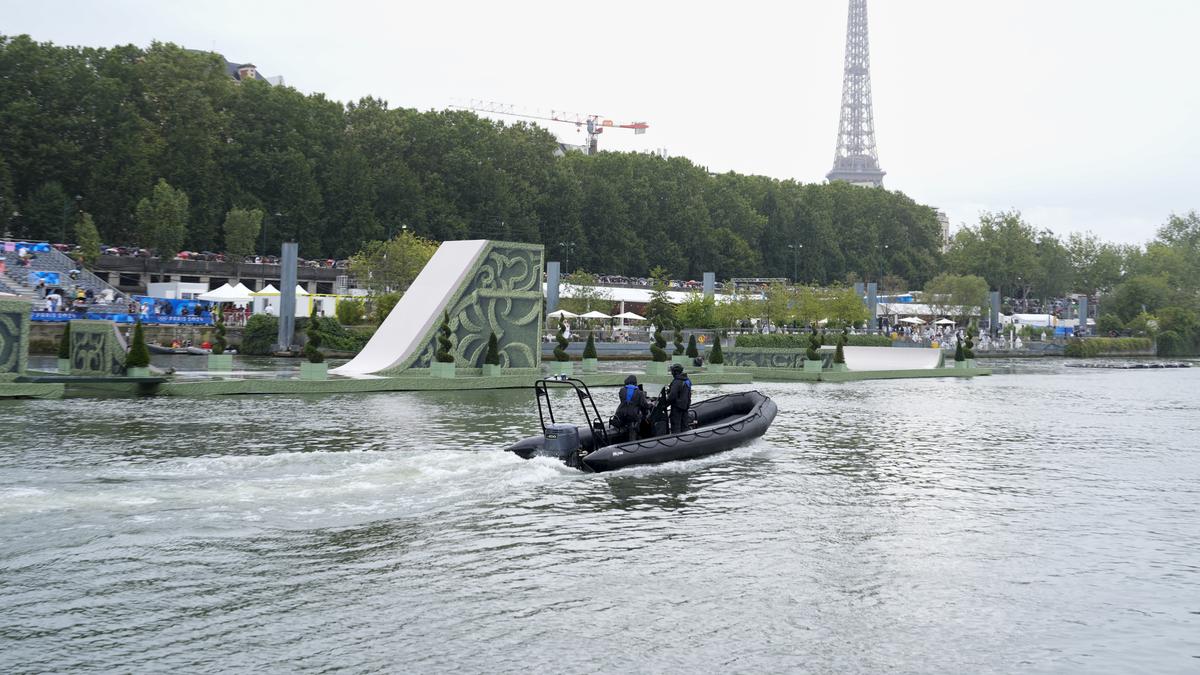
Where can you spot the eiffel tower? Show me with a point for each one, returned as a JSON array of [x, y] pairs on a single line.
[[856, 160]]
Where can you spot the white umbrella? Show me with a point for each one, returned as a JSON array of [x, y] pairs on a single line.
[[630, 316], [911, 319], [944, 322], [563, 314], [595, 314]]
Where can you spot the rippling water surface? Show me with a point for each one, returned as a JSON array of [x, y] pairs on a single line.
[[1045, 519]]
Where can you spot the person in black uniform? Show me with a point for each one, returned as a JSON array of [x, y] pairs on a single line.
[[679, 396], [632, 407]]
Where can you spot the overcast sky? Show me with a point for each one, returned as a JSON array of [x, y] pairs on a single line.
[[1082, 114]]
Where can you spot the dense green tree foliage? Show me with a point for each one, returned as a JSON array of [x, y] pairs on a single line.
[[108, 124], [87, 238], [242, 227]]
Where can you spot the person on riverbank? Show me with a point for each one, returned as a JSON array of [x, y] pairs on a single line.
[[679, 397], [632, 407]]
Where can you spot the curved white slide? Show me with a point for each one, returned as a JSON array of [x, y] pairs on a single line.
[[420, 309], [891, 358]]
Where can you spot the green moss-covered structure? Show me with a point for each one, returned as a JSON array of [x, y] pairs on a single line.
[[96, 348], [14, 338]]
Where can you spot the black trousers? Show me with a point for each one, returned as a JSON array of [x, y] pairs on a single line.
[[678, 418]]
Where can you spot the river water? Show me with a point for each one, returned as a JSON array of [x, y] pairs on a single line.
[[1045, 519]]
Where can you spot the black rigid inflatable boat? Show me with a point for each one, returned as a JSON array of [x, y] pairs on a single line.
[[715, 425]]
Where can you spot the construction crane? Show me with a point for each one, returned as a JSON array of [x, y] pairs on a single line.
[[594, 124]]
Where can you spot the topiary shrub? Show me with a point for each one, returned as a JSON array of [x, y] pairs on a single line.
[[839, 356], [969, 347], [139, 355], [715, 356], [692, 351], [64, 345], [1171, 343], [658, 351], [812, 353], [560, 350], [492, 357], [589, 349], [677, 338], [443, 354], [220, 343], [312, 345], [958, 350], [258, 338]]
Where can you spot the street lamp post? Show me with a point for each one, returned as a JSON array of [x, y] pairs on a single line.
[[882, 263], [795, 256], [566, 246]]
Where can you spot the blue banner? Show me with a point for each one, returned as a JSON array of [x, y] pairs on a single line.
[[202, 320], [51, 278]]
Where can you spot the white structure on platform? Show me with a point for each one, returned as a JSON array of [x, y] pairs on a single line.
[[418, 310], [891, 358]]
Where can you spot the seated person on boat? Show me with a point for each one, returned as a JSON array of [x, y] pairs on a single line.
[[632, 408]]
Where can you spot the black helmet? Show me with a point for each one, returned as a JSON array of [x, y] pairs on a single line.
[[676, 369], [631, 380]]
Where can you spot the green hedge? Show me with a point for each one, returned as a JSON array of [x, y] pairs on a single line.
[[801, 341], [1084, 348]]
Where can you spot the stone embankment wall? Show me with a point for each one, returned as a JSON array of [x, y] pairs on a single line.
[[44, 336]]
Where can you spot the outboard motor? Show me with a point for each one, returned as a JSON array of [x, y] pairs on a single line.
[[562, 441]]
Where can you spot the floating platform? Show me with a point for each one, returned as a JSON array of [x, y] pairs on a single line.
[[800, 375], [31, 390]]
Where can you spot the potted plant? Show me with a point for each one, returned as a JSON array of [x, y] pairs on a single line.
[[591, 362], [839, 355], [716, 359], [693, 352], [969, 351], [137, 360], [314, 368], [491, 360], [218, 359], [679, 356], [960, 359], [443, 365], [812, 355], [562, 360], [658, 353], [64, 350]]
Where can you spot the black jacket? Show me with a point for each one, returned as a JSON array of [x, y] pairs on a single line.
[[632, 404], [680, 393]]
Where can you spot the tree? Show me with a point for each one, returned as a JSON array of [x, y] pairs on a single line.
[[959, 296], [492, 357], [812, 353], [1002, 249], [259, 335], [677, 338], [162, 219], [692, 351], [312, 345], [138, 355], [444, 353], [589, 349], [349, 311], [1139, 294], [391, 266], [242, 227], [715, 355], [219, 345], [588, 294], [87, 238], [658, 351], [46, 213], [697, 311], [839, 355], [660, 310], [560, 349]]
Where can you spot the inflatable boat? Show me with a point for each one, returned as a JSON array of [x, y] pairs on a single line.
[[714, 425]]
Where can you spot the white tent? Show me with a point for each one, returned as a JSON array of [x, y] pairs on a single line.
[[945, 322], [300, 290], [630, 316], [243, 292], [227, 293], [563, 314], [912, 319], [269, 289], [595, 314]]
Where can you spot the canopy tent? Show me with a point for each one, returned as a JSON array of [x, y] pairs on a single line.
[[269, 289], [944, 322], [595, 314], [243, 291], [630, 316], [563, 314], [227, 293], [912, 319]]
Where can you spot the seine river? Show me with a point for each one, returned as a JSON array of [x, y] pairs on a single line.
[[1042, 520]]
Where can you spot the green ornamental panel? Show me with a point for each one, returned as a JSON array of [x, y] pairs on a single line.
[[96, 348], [14, 337], [764, 358], [503, 295]]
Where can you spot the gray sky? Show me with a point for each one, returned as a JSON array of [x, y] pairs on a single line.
[[1080, 113]]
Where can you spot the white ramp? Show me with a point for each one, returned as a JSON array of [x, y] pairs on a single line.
[[419, 309], [891, 358]]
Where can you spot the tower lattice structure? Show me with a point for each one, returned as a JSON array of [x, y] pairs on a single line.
[[856, 160]]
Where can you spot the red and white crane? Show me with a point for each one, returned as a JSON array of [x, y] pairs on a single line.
[[594, 124]]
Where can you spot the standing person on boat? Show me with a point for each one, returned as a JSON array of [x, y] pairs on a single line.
[[632, 408], [679, 396]]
